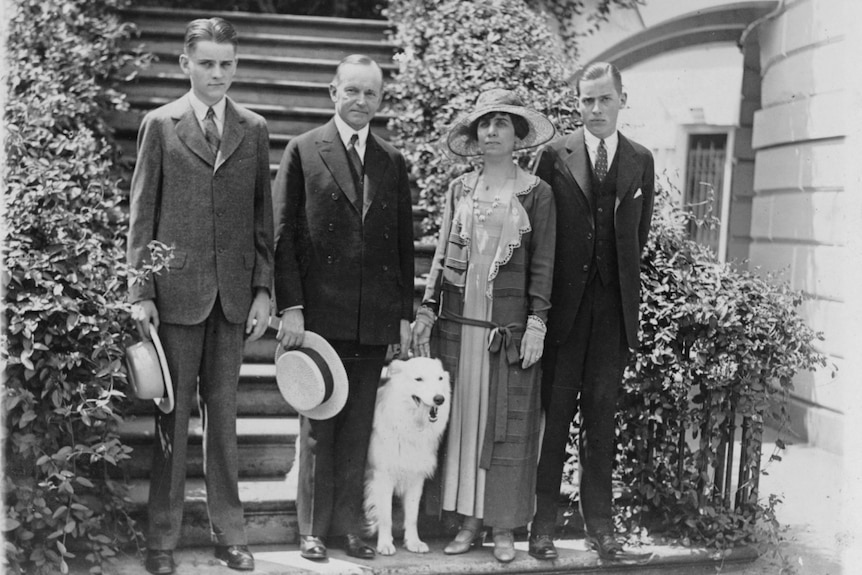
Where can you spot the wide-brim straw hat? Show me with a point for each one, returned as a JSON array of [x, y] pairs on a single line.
[[312, 378], [148, 371], [461, 142]]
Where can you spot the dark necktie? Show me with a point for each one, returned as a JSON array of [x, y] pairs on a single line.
[[356, 165], [211, 131], [602, 161]]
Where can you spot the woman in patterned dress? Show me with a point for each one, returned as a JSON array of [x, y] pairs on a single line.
[[487, 301]]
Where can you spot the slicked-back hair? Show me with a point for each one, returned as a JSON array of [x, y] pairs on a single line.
[[598, 70], [216, 30], [358, 59]]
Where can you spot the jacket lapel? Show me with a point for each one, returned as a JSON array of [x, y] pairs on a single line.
[[627, 169], [578, 163], [189, 131], [376, 167], [232, 134], [334, 156]]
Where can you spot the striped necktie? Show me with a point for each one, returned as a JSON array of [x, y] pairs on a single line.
[[211, 131], [356, 166]]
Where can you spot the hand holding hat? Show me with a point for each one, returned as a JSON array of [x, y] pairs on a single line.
[[148, 373]]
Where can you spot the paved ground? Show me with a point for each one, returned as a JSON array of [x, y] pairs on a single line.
[[819, 512]]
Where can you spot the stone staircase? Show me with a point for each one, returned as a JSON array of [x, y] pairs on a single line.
[[285, 66]]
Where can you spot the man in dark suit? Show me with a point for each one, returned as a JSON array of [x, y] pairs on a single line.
[[344, 270], [603, 185], [202, 185]]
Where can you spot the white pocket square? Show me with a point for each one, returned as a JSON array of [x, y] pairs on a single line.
[[638, 193]]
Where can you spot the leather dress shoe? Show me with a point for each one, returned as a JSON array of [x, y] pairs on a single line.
[[612, 550], [542, 547], [356, 547], [311, 547], [235, 556], [159, 561]]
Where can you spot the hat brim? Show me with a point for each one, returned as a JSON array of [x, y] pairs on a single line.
[[336, 401], [166, 403], [461, 142]]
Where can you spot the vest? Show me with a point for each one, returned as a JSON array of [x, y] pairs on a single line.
[[604, 201]]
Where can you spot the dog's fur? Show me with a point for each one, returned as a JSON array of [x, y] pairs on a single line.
[[409, 420]]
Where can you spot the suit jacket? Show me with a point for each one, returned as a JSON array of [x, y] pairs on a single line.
[[350, 266], [565, 165], [215, 211]]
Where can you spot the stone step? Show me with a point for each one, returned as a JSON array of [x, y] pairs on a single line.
[[280, 118], [249, 24], [266, 67], [247, 90], [267, 445], [269, 505], [170, 43]]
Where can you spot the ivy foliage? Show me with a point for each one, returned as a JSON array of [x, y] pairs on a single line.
[[64, 282], [719, 350], [449, 52]]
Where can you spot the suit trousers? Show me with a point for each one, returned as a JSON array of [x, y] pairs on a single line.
[[203, 359], [332, 452], [583, 373]]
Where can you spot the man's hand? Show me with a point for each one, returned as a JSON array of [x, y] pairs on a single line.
[[292, 332], [406, 338], [421, 339], [258, 315], [145, 313], [532, 347]]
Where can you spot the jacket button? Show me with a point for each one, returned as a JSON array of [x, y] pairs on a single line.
[[586, 268], [589, 236], [386, 268], [601, 210], [334, 196], [386, 235], [331, 227], [383, 205], [329, 259]]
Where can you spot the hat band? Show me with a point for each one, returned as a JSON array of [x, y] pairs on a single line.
[[320, 362]]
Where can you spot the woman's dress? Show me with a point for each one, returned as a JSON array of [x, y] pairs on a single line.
[[463, 479]]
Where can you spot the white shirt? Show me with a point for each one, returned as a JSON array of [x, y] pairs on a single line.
[[200, 110], [346, 132], [593, 146]]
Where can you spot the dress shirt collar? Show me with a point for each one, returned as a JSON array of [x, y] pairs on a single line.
[[345, 132], [592, 142], [200, 110]]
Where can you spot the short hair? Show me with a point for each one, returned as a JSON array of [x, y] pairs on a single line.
[[357, 59], [216, 30], [598, 70], [521, 125]]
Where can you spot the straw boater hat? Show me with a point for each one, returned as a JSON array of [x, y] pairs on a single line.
[[148, 371], [463, 143], [312, 378]]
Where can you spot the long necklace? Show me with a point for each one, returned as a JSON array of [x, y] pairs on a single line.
[[482, 214]]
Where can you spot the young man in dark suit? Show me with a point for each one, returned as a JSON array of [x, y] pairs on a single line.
[[202, 185], [603, 185], [344, 270]]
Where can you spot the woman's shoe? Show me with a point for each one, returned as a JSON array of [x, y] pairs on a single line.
[[471, 533], [504, 545]]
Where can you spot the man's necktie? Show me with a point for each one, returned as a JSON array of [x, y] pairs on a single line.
[[356, 165], [211, 131], [602, 161]]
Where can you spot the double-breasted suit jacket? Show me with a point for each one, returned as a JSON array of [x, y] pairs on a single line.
[[565, 165], [349, 265], [215, 211]]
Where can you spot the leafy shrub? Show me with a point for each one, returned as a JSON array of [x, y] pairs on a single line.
[[452, 50], [64, 283], [719, 350]]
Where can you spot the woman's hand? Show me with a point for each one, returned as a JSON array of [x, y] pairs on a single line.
[[532, 346], [421, 339]]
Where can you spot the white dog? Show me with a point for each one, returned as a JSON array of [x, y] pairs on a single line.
[[409, 420]]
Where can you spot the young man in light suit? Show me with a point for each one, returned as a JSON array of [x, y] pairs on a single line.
[[202, 185], [603, 185], [344, 270]]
